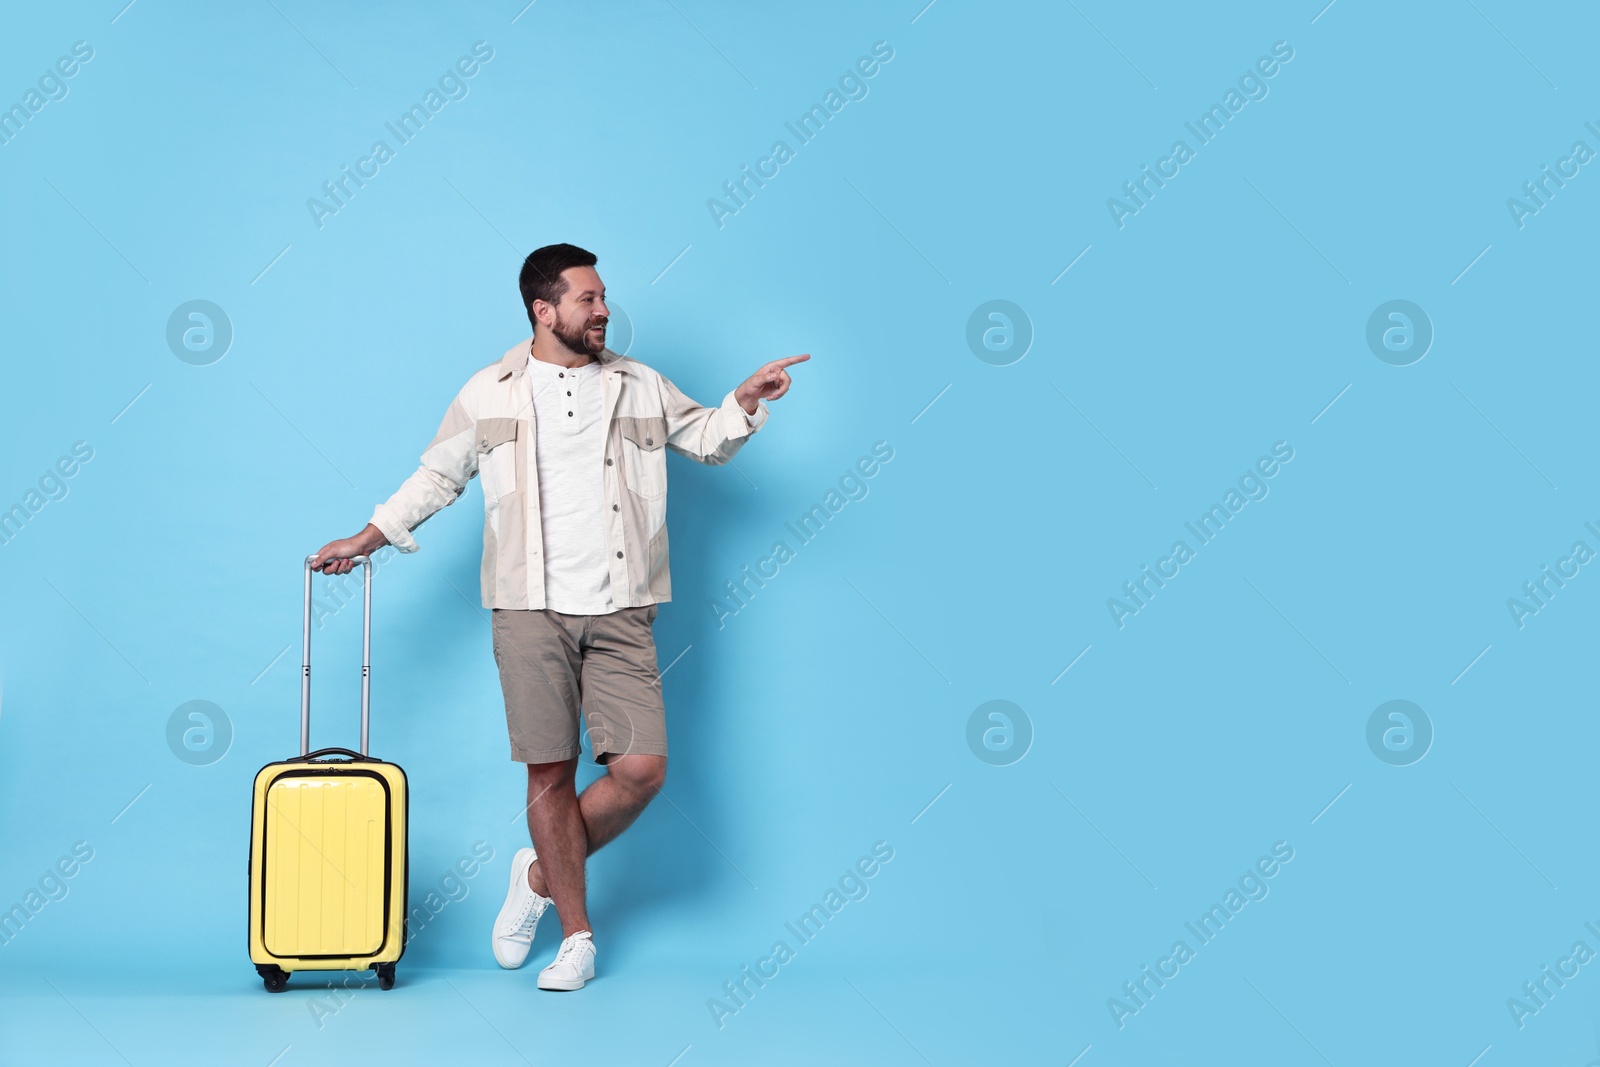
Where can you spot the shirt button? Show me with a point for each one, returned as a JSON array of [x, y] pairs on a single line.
[[569, 392], [619, 555], [608, 463], [561, 374], [616, 507], [647, 441], [569, 414]]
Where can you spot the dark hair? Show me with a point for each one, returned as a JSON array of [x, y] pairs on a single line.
[[541, 274]]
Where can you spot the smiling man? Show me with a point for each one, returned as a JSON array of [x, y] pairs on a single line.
[[569, 441]]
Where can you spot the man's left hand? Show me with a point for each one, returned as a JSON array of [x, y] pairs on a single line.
[[768, 383]]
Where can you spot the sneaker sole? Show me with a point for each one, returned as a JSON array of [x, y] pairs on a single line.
[[504, 914], [557, 985]]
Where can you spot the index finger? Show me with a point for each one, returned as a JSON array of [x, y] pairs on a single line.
[[789, 361]]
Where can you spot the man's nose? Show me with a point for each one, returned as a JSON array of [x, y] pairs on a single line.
[[602, 311]]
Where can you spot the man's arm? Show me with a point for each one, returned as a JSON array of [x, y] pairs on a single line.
[[448, 464], [713, 435]]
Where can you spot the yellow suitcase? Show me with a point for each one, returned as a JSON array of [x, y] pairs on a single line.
[[328, 863]]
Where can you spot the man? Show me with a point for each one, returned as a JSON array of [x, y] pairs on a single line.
[[568, 440]]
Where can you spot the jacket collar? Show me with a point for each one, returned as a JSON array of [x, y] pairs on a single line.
[[515, 361]]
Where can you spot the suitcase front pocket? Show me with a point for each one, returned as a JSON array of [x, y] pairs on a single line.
[[325, 865]]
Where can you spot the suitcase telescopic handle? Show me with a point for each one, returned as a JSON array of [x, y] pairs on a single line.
[[366, 657]]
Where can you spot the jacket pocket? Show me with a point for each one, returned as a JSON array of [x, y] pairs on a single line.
[[496, 443], [644, 456]]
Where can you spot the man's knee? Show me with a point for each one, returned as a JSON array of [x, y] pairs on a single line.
[[638, 773], [545, 775]]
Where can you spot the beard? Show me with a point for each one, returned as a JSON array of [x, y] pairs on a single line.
[[575, 336]]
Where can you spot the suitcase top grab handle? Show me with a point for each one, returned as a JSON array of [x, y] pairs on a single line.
[[328, 752], [366, 657]]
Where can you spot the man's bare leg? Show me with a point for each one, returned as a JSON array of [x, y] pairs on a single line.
[[608, 807], [556, 826]]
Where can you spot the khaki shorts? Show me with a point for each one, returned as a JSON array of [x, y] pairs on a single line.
[[554, 665]]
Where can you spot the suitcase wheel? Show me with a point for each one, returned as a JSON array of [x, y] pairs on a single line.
[[385, 975], [275, 978]]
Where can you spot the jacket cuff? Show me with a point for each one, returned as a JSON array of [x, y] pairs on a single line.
[[395, 531], [740, 424]]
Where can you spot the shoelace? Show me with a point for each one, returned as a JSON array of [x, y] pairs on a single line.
[[531, 911], [570, 948]]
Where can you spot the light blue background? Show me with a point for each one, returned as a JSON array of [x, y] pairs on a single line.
[[1224, 717]]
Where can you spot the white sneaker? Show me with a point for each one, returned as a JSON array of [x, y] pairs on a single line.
[[519, 915], [574, 964]]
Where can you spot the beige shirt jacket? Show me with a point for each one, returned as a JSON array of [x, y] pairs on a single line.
[[489, 432]]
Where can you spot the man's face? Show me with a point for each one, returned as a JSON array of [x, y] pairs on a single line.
[[581, 313]]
